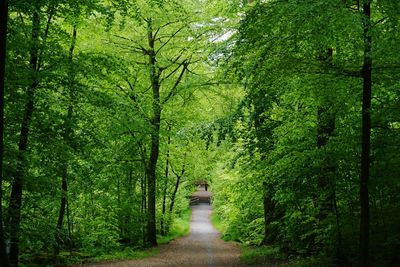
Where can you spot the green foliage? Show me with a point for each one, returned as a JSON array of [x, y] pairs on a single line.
[[98, 234], [262, 100], [295, 138], [180, 227], [217, 222], [89, 126], [262, 255]]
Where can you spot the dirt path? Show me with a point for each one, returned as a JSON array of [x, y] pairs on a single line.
[[202, 248]]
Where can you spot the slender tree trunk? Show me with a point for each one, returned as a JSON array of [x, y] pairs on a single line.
[[67, 140], [17, 182], [3, 41], [366, 135], [177, 183], [64, 190], [173, 196], [164, 204], [155, 139]]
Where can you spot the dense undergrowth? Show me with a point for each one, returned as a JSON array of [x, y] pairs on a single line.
[[180, 227]]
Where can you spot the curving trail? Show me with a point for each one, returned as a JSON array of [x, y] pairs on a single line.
[[202, 248]]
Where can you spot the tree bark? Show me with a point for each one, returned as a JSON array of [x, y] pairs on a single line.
[[155, 139], [155, 72], [3, 43], [366, 135], [17, 182]]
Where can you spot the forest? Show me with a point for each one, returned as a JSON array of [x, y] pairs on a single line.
[[112, 110]]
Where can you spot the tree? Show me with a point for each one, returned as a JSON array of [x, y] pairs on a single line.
[[296, 75], [3, 42], [366, 135], [65, 164], [155, 73], [14, 211], [165, 56], [41, 48]]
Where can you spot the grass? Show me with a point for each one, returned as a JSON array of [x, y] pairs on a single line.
[[180, 227], [217, 222], [262, 255], [127, 254]]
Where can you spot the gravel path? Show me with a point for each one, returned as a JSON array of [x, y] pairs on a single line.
[[202, 248]]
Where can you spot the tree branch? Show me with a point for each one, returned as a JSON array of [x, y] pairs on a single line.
[[169, 39], [51, 12], [379, 21], [173, 90]]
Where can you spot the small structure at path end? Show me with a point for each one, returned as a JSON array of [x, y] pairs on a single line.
[[202, 195]]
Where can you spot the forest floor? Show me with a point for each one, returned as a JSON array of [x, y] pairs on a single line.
[[202, 248]]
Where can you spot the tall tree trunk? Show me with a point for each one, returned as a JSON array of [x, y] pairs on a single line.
[[14, 211], [67, 136], [3, 41], [164, 204], [366, 135], [155, 138]]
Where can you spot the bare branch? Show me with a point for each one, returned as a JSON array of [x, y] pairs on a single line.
[[379, 21], [179, 175], [123, 37], [133, 97], [173, 90], [138, 49], [51, 12], [173, 71], [169, 39]]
